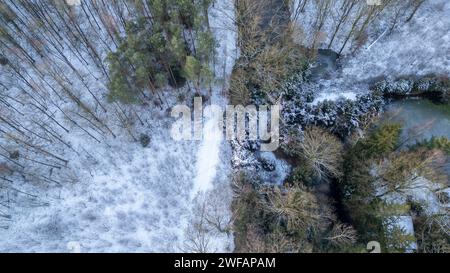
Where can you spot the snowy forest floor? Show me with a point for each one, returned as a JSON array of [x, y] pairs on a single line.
[[125, 198], [415, 48]]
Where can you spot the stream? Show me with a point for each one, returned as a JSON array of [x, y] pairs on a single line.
[[418, 114], [421, 115]]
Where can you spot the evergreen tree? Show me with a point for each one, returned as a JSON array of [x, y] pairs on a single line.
[[157, 52]]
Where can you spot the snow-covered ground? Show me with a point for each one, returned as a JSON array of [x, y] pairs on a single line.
[[425, 194], [115, 195], [419, 47], [127, 199]]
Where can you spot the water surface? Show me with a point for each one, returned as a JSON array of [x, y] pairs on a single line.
[[421, 119]]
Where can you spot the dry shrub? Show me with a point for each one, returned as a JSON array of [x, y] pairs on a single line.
[[276, 242], [269, 54], [275, 63], [319, 148], [296, 207], [239, 92]]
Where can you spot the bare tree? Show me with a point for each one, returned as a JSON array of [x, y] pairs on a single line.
[[405, 171], [342, 235], [416, 4], [320, 149]]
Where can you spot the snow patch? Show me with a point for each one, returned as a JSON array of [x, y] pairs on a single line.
[[334, 97]]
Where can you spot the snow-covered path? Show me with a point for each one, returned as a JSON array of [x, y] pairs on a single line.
[[207, 157]]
